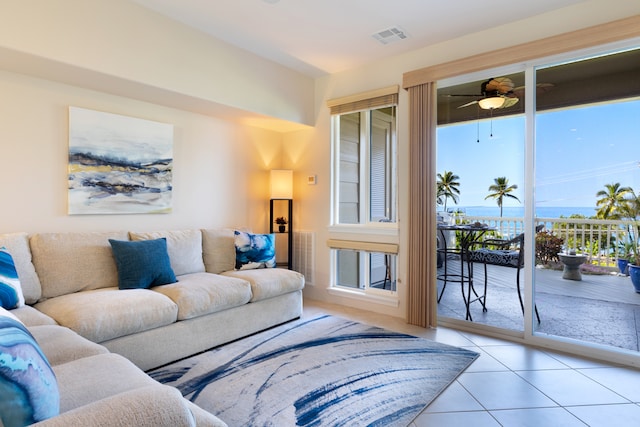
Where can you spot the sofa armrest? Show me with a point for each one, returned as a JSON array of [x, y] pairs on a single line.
[[152, 406]]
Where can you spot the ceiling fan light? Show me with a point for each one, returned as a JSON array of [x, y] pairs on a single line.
[[491, 103]]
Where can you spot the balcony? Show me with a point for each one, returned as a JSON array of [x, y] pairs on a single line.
[[601, 308]]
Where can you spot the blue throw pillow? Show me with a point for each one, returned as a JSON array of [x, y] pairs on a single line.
[[142, 263], [254, 250], [10, 289], [28, 387]]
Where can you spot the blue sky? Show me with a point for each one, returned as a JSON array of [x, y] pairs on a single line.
[[578, 151]]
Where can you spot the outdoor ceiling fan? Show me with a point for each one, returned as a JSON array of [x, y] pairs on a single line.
[[495, 93], [499, 92]]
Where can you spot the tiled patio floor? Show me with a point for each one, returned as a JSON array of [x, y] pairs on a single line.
[[602, 309]]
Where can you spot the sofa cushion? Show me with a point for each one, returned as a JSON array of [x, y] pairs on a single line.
[[254, 250], [203, 293], [32, 317], [28, 386], [184, 248], [502, 257], [93, 378], [104, 314], [269, 282], [62, 345], [18, 246], [218, 250], [142, 264], [10, 289], [72, 262]]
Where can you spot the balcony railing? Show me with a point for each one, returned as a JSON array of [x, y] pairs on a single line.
[[601, 240]]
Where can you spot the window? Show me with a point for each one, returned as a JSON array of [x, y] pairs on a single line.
[[364, 196], [364, 169], [363, 270]]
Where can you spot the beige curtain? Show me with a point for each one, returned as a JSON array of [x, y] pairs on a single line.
[[421, 258]]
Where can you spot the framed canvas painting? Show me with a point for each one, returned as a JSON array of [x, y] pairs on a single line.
[[118, 164]]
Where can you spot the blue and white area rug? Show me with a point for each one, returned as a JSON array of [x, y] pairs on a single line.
[[324, 371]]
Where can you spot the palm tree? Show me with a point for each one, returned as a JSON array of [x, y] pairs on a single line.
[[613, 201], [500, 190], [448, 188]]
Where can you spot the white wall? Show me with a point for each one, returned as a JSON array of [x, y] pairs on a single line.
[[113, 45], [118, 57], [220, 168]]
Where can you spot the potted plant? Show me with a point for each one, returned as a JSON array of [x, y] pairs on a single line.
[[281, 221], [625, 250], [634, 271], [634, 259], [631, 210]]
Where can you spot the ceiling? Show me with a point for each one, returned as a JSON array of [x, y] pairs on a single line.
[[318, 37]]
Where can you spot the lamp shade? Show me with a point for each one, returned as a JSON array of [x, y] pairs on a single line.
[[491, 103], [281, 184]]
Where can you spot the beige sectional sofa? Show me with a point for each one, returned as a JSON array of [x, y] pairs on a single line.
[[100, 338]]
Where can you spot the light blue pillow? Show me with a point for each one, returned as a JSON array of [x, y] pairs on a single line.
[[142, 263], [10, 289], [254, 250], [28, 387]]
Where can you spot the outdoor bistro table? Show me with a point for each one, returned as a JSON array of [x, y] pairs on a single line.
[[467, 234]]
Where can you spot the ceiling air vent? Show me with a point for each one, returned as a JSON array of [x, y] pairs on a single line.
[[390, 35]]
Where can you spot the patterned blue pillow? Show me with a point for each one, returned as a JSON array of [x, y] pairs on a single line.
[[142, 263], [10, 289], [254, 250], [28, 385]]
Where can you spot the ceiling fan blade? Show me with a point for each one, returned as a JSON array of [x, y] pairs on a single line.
[[509, 101], [540, 88], [468, 104], [451, 95]]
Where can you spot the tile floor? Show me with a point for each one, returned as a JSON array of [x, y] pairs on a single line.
[[515, 385]]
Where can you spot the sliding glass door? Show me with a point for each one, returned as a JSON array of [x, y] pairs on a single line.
[[480, 176], [558, 162], [587, 185]]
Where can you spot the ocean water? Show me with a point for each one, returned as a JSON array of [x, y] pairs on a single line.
[[518, 211]]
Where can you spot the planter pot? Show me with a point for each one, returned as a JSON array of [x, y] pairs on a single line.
[[634, 274], [623, 266], [281, 228]]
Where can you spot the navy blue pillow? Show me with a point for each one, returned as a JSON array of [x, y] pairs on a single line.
[[142, 263]]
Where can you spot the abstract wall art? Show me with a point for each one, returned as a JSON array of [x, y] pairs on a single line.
[[118, 164]]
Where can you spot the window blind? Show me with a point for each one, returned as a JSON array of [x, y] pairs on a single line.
[[385, 248], [364, 101]]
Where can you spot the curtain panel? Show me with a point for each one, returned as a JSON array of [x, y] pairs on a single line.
[[421, 256]]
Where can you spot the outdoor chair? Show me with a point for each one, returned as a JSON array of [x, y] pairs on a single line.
[[502, 253]]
